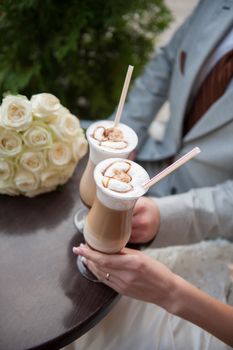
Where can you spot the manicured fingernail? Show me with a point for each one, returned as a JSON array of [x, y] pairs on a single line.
[[84, 260], [75, 249]]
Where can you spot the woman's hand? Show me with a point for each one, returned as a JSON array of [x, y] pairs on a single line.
[[138, 276], [131, 273], [145, 221]]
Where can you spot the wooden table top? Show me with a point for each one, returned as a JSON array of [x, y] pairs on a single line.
[[44, 301]]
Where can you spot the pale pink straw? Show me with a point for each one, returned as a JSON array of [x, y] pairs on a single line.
[[195, 151], [123, 96]]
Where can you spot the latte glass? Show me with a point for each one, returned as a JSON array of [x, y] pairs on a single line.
[[107, 227], [98, 151]]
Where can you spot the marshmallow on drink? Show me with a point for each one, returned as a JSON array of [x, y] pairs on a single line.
[[119, 184]]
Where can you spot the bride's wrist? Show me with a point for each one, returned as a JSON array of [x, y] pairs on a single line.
[[169, 293], [181, 297], [174, 302]]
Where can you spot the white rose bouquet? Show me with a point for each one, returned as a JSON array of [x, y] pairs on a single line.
[[41, 143]]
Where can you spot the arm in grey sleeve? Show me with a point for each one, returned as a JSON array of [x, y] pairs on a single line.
[[196, 215], [150, 90]]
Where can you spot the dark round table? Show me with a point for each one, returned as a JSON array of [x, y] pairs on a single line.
[[44, 301]]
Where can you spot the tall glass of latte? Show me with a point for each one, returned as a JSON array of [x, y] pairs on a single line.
[[107, 227], [105, 141]]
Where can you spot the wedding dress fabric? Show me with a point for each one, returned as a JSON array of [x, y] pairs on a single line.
[[134, 324]]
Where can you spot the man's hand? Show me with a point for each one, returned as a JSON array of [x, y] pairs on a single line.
[[145, 222]]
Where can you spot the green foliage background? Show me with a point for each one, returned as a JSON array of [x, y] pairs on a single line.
[[78, 50]]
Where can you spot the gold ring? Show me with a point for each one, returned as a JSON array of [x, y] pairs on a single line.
[[107, 276]]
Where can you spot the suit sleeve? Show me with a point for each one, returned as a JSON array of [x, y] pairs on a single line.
[[150, 90], [205, 213]]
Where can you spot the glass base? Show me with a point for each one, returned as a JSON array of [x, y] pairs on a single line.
[[79, 218], [85, 272]]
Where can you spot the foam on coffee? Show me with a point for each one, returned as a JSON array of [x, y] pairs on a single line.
[[119, 179], [107, 138]]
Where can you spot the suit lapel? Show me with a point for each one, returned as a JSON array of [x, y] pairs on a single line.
[[210, 26], [220, 113]]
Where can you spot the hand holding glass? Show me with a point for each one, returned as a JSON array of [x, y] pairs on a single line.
[[119, 184]]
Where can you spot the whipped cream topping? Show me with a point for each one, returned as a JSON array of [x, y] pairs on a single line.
[[121, 177], [116, 185], [110, 137], [116, 177], [119, 139], [116, 168]]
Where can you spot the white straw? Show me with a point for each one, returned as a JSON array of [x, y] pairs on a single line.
[[195, 151], [123, 96]]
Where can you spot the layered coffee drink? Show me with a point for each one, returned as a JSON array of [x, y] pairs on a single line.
[[105, 141], [119, 182]]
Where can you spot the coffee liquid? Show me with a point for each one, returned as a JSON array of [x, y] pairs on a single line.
[[87, 186], [106, 229]]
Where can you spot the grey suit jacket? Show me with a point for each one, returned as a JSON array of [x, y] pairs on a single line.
[[203, 207]]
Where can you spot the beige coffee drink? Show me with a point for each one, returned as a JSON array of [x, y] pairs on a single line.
[[105, 141], [119, 184]]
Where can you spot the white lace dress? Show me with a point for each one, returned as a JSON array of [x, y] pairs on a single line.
[[133, 324]]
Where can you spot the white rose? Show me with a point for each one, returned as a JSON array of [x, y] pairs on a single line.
[[49, 178], [79, 147], [33, 161], [6, 170], [66, 126], [45, 105], [16, 112], [37, 137], [26, 181], [8, 188], [67, 172], [10, 143], [40, 190], [60, 154]]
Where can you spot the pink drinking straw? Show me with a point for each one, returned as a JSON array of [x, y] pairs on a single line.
[[123, 96], [195, 151]]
